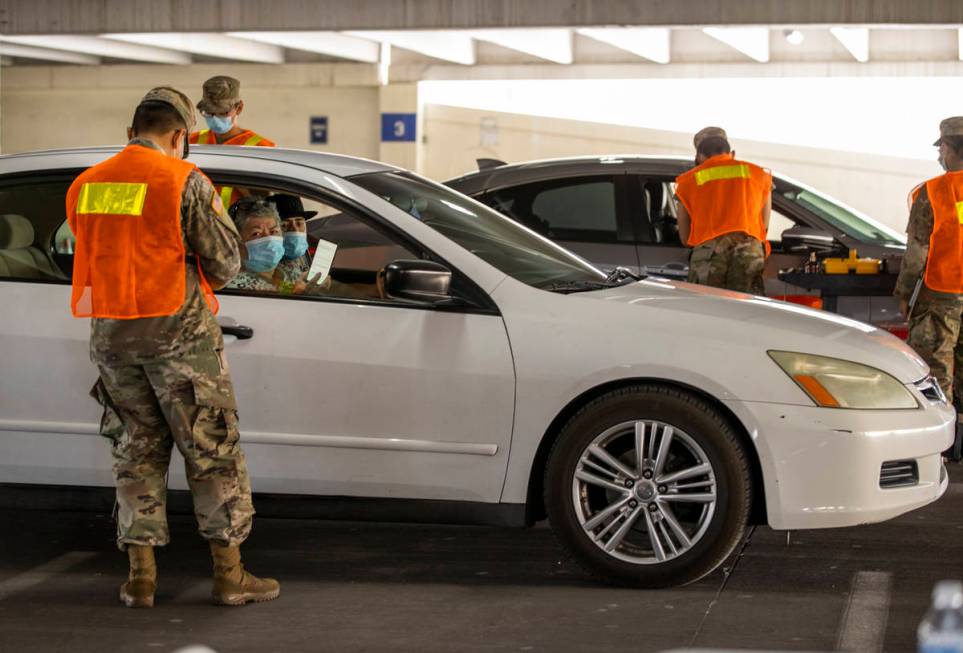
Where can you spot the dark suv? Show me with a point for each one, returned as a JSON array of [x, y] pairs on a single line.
[[618, 211]]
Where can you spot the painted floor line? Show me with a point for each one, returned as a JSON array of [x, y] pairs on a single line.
[[863, 627], [42, 573]]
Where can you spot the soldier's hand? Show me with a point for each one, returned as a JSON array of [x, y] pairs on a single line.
[[904, 307]]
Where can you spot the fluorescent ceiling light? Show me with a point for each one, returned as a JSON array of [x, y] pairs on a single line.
[[332, 44], [751, 41], [794, 36], [457, 47], [549, 44], [207, 44], [648, 42], [99, 47], [854, 39]]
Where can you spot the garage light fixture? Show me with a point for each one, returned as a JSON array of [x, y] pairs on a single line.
[[652, 43], [854, 39], [794, 36], [751, 41]]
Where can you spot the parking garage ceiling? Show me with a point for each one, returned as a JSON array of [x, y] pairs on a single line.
[[473, 33]]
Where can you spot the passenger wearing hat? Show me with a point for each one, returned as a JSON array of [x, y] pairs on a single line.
[[221, 106], [932, 267], [263, 252], [723, 210], [295, 263], [152, 244]]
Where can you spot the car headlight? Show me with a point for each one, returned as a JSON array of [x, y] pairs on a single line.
[[834, 383]]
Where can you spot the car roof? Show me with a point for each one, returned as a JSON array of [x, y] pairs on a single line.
[[509, 174], [505, 174], [204, 155]]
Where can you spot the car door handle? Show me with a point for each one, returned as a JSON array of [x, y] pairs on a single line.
[[239, 331]]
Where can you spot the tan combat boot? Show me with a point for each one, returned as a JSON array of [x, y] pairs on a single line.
[[138, 591], [233, 585]]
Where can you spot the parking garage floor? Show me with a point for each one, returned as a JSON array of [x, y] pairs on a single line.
[[388, 587]]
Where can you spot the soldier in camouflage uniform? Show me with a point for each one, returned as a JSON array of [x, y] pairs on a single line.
[[164, 382], [935, 316], [734, 260]]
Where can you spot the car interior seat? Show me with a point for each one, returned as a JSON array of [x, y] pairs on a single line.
[[18, 256], [664, 224]]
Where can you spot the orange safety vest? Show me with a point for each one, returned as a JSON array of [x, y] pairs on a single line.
[[944, 265], [723, 196], [129, 256], [206, 137]]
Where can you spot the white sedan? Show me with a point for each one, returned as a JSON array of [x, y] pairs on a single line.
[[465, 368]]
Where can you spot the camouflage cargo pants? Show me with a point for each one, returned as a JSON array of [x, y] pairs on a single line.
[[935, 335], [187, 402], [732, 261]]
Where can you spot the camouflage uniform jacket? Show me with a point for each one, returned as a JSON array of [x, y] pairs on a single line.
[[211, 238], [918, 232]]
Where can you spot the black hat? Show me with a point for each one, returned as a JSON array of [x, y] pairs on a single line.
[[290, 206]]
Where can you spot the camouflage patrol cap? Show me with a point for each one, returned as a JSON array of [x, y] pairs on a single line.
[[173, 97], [709, 132], [221, 94], [950, 127]]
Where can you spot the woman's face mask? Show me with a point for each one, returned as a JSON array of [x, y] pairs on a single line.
[[264, 254], [219, 124], [295, 244]]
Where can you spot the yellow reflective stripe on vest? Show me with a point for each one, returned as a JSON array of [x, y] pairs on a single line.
[[722, 172], [226, 193], [204, 137], [254, 140], [959, 212], [112, 198]]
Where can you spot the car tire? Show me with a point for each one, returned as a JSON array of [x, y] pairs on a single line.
[[709, 511]]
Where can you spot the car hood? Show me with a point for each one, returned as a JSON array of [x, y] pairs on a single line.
[[710, 314]]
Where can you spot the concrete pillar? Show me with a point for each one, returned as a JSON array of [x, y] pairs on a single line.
[[400, 128]]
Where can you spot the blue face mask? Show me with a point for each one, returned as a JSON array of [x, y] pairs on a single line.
[[264, 254], [219, 124], [295, 244]]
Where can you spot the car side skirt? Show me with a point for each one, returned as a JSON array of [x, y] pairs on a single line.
[[23, 496]]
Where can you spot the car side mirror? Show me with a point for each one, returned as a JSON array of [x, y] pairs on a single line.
[[425, 282], [799, 239]]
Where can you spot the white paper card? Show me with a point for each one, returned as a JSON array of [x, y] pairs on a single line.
[[323, 258]]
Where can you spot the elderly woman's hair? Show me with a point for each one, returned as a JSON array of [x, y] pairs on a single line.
[[252, 207]]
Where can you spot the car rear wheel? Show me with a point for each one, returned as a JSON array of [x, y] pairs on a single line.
[[648, 486]]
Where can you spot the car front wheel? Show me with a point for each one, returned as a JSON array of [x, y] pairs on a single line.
[[648, 486]]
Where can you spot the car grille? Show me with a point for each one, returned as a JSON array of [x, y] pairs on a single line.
[[898, 473], [930, 389]]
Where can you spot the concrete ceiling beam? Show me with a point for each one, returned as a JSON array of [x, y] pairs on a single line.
[[126, 16]]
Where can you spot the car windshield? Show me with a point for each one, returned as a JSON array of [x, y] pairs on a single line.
[[510, 247], [849, 221]]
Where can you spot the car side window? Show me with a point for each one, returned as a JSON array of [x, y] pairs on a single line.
[[343, 259], [32, 223], [576, 209], [778, 223]]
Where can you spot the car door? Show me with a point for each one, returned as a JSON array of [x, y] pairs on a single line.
[[347, 393], [586, 214], [338, 395], [48, 422]]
